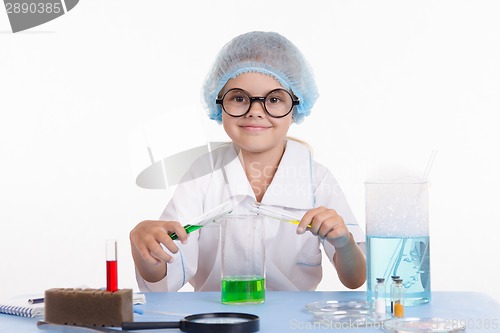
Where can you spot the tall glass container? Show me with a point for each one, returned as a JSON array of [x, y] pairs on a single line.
[[397, 232], [242, 259]]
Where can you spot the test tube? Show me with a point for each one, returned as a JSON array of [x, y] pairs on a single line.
[[111, 266]]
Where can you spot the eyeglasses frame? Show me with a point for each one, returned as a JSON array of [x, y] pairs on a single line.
[[295, 101]]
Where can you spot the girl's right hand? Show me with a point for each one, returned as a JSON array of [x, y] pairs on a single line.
[[147, 236]]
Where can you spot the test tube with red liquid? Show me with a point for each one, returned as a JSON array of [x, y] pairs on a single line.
[[111, 266]]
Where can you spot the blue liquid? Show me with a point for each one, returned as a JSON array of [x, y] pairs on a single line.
[[407, 257]]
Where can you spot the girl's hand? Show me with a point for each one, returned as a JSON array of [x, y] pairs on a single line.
[[147, 236], [327, 224]]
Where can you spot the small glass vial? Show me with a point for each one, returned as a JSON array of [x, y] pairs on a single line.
[[380, 296], [398, 298], [393, 284]]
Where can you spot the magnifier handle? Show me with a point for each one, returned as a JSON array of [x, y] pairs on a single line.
[[149, 325]]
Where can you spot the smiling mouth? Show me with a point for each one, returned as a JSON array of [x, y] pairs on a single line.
[[254, 127]]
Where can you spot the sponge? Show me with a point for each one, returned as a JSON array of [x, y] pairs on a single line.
[[88, 307]]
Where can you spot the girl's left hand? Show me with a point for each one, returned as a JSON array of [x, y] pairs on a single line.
[[327, 224]]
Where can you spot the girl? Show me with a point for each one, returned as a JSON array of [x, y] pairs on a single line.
[[259, 85]]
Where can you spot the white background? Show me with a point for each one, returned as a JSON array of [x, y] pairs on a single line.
[[83, 96]]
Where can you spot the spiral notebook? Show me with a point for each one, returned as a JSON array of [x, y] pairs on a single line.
[[21, 307]]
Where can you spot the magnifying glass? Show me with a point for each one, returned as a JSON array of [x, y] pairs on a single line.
[[216, 322]]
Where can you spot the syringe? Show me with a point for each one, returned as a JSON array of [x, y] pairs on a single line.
[[275, 213], [206, 218]]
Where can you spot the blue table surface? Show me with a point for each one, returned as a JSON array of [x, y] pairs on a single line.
[[285, 311]]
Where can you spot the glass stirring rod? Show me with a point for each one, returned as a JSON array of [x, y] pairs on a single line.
[[206, 218]]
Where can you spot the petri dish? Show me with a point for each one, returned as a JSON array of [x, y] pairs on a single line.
[[428, 325], [356, 313]]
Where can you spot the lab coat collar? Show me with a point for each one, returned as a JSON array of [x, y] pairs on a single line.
[[235, 177], [291, 186]]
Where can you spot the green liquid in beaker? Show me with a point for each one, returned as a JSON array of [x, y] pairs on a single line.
[[243, 290]]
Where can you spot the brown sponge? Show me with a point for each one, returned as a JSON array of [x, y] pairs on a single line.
[[88, 307]]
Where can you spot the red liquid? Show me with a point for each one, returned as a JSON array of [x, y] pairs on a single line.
[[111, 275]]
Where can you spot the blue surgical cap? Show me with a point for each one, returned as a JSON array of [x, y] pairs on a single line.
[[262, 52]]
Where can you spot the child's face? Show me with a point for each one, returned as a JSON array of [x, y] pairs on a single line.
[[256, 131]]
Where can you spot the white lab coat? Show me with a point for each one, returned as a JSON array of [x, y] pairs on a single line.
[[293, 262]]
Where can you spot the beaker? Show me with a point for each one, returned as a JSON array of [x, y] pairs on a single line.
[[242, 259], [397, 237]]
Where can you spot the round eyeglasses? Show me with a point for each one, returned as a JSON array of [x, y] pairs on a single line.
[[237, 102]]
